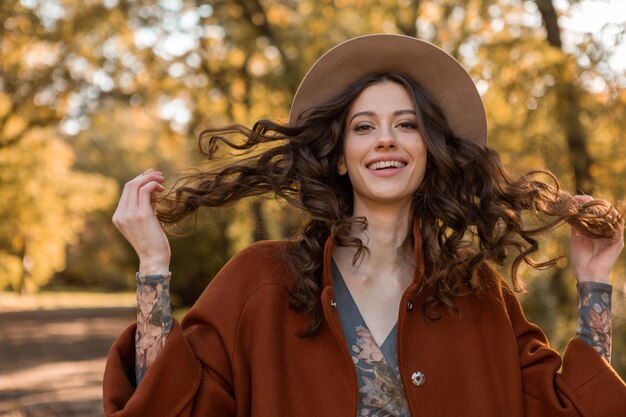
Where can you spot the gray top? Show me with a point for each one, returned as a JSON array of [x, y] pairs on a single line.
[[378, 377]]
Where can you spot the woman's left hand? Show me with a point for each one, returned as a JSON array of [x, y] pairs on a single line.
[[592, 259]]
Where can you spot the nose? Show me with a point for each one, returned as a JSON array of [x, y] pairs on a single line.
[[386, 139]]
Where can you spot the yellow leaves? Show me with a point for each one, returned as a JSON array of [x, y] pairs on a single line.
[[238, 89], [317, 27], [10, 269], [280, 15], [13, 127], [305, 8], [257, 65], [41, 54], [327, 12], [240, 230], [236, 57], [430, 11], [47, 202], [18, 23], [5, 104]]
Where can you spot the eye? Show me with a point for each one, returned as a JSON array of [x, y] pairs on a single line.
[[407, 124], [363, 127]]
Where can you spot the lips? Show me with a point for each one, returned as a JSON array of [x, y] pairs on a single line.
[[378, 165]]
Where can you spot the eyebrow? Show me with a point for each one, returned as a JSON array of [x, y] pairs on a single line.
[[371, 113]]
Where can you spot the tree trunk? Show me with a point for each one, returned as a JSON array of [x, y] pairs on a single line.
[[409, 28], [259, 232], [568, 105], [27, 265], [568, 110]]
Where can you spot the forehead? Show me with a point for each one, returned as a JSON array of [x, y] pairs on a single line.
[[386, 95]]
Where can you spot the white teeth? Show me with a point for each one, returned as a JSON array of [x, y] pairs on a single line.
[[386, 164]]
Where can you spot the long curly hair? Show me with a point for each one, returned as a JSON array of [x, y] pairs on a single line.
[[470, 209]]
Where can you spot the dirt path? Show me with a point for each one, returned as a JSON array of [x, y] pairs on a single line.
[[51, 361]]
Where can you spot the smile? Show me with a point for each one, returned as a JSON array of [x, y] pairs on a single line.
[[386, 164]]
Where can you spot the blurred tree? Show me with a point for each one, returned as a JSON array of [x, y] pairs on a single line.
[[43, 204], [44, 82], [540, 96], [567, 109]]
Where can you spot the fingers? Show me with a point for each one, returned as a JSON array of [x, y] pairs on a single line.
[[583, 198], [141, 184], [137, 197], [147, 195], [618, 236], [144, 183]]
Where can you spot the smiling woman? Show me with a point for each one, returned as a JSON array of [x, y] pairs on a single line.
[[387, 304]]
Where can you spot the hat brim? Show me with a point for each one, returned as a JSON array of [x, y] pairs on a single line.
[[432, 68]]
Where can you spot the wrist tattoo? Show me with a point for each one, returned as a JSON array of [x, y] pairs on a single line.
[[154, 320], [594, 323]]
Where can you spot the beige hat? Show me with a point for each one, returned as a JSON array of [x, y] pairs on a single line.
[[439, 73]]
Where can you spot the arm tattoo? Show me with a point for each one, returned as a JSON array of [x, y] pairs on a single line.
[[154, 320], [594, 320]]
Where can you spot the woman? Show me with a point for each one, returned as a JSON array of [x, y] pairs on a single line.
[[387, 305]]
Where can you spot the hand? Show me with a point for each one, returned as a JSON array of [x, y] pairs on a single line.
[[592, 259], [135, 217]]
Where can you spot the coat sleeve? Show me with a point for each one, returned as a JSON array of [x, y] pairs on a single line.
[[194, 374], [582, 384], [177, 384]]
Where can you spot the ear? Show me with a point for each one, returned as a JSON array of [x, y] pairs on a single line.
[[342, 169]]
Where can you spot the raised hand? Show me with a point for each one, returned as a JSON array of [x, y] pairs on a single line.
[[135, 217], [592, 259]]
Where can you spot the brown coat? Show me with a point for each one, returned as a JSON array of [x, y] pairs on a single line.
[[237, 354]]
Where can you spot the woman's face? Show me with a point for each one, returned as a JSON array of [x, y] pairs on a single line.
[[383, 154]]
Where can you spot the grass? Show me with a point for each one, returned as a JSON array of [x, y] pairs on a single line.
[[71, 298], [52, 300]]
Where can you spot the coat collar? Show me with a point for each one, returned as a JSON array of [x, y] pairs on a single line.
[[418, 254]]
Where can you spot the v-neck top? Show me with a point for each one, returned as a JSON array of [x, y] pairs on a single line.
[[378, 377]]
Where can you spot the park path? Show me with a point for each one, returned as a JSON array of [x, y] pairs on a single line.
[[51, 361]]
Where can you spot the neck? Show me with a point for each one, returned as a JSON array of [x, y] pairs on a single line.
[[387, 230], [387, 225]]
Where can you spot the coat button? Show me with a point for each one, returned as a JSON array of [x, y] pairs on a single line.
[[418, 379]]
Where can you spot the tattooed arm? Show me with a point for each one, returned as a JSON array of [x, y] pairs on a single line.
[[154, 320], [135, 217], [592, 261], [594, 317]]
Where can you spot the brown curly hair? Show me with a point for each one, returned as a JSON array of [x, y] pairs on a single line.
[[469, 207]]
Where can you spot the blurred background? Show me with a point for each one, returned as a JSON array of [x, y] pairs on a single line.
[[93, 92]]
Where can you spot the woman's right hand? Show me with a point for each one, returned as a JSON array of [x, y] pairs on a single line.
[[135, 217]]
